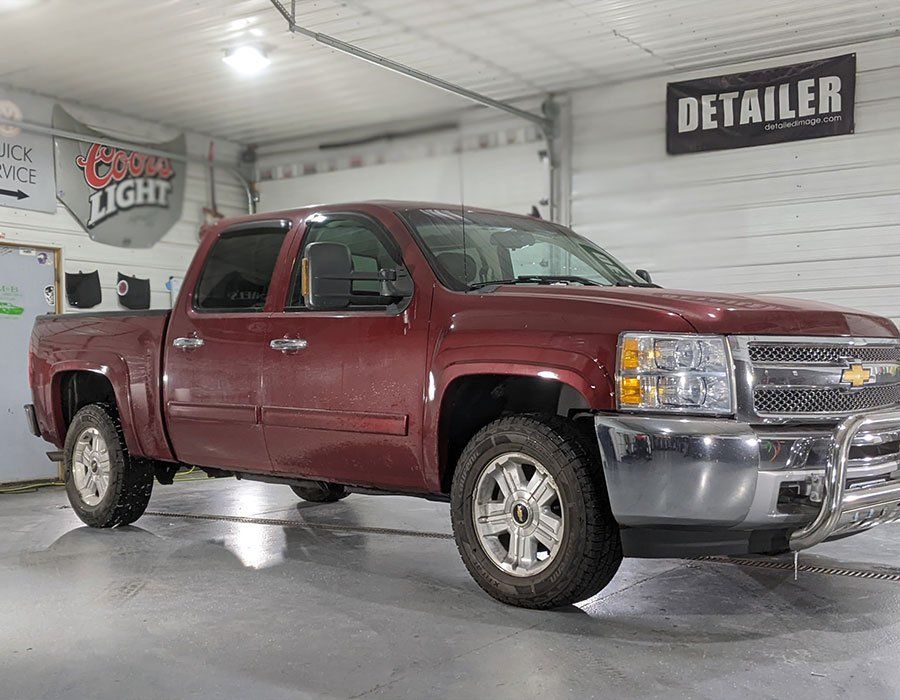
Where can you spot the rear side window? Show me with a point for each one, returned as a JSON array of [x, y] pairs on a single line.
[[239, 269]]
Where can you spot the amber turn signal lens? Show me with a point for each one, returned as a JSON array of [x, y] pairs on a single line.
[[304, 277], [630, 391], [630, 354]]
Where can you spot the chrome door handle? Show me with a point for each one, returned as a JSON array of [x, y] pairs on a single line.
[[287, 344], [188, 343]]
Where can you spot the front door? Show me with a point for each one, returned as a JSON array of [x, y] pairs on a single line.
[[28, 289], [343, 390], [213, 363]]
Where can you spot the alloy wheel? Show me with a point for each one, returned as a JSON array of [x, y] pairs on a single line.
[[91, 466], [518, 514]]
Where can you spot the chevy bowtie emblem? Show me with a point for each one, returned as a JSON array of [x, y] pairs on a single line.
[[520, 514], [856, 375]]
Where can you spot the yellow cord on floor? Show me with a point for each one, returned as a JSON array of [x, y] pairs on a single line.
[[25, 488]]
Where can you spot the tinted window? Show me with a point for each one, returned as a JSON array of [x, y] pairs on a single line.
[[370, 249], [239, 269]]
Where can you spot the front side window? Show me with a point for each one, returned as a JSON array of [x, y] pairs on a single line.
[[473, 248], [239, 269], [370, 250]]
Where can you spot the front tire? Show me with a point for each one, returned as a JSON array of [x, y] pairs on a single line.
[[530, 514], [105, 485]]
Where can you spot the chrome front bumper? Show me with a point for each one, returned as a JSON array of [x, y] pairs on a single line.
[[685, 473]]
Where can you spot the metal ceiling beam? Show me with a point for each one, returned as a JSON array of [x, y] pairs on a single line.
[[378, 60]]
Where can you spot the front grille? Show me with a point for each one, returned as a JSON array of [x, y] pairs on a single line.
[[796, 379], [788, 401], [782, 353]]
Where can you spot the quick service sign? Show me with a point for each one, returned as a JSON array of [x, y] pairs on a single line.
[[26, 157], [788, 103]]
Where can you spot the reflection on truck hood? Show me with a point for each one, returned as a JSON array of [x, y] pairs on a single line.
[[729, 313]]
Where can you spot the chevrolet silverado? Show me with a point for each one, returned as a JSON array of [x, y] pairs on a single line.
[[571, 411]]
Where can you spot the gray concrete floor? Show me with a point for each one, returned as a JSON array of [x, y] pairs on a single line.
[[179, 608]]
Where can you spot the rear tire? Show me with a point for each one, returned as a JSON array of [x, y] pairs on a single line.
[[320, 492], [530, 513], [105, 485]]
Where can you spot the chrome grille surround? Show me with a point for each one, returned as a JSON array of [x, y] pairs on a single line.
[[799, 379]]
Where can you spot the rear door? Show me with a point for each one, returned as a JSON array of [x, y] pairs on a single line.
[[345, 404], [216, 340]]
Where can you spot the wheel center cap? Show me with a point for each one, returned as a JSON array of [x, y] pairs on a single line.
[[521, 514]]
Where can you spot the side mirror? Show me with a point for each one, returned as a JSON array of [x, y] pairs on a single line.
[[326, 276], [644, 275], [396, 283]]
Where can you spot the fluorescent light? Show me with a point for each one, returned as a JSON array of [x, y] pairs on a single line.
[[16, 5], [247, 60]]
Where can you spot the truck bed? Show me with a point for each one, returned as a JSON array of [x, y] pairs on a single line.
[[125, 347]]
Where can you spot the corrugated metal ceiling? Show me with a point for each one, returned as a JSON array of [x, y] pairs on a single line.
[[162, 60]]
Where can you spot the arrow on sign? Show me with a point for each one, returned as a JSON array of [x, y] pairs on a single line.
[[18, 194]]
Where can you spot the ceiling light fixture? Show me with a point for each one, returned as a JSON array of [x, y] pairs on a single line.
[[16, 5], [247, 60]]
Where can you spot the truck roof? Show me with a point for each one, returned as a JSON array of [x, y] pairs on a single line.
[[393, 205]]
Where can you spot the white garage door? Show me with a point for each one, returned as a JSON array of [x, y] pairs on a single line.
[[816, 219], [496, 164]]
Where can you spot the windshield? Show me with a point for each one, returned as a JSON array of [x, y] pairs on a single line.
[[480, 248]]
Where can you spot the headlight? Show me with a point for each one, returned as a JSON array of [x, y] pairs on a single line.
[[680, 373]]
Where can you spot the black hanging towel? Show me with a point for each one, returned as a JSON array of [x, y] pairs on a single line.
[[134, 293], [83, 289]]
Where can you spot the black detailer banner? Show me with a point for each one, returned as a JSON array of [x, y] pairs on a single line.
[[788, 103]]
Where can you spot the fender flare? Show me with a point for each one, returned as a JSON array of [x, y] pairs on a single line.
[[115, 370], [580, 372]]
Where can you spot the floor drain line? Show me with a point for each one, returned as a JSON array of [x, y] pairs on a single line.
[[805, 568], [304, 524]]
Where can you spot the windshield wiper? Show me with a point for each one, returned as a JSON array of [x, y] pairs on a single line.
[[539, 279], [625, 283], [550, 279]]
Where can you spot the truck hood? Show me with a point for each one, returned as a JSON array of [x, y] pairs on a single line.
[[710, 312]]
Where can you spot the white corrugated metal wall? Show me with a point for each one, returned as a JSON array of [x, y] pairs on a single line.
[[817, 219], [169, 257], [489, 160]]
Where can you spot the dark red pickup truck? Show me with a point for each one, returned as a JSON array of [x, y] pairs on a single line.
[[571, 411]]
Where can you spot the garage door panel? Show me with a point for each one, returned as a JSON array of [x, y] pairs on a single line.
[[757, 222], [791, 277], [793, 161], [507, 177], [811, 246]]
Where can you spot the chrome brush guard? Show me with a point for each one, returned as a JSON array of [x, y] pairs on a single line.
[[847, 510]]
